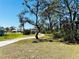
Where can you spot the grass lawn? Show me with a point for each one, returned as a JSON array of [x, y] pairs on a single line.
[[12, 36], [44, 50]]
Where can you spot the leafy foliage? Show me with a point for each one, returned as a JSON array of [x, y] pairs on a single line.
[[53, 15], [26, 32]]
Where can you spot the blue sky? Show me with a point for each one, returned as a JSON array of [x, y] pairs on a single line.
[[9, 10]]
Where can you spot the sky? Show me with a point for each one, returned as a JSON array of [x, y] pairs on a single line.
[[9, 10]]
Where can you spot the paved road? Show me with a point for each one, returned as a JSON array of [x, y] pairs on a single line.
[[7, 42]]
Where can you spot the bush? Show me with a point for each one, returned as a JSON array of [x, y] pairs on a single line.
[[26, 32], [1, 32], [77, 37], [50, 40], [68, 38], [33, 32], [57, 35], [72, 37]]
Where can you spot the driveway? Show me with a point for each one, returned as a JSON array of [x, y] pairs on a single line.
[[7, 42]]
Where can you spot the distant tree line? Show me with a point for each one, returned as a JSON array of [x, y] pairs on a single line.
[[8, 29]]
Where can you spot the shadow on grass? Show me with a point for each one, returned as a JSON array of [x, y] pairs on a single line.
[[42, 40]]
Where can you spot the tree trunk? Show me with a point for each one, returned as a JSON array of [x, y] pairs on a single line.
[[23, 28], [36, 36], [38, 31], [50, 23]]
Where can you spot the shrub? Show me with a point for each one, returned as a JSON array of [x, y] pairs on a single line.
[[68, 38], [72, 37], [77, 37], [1, 32], [57, 35], [50, 40], [26, 32], [33, 32]]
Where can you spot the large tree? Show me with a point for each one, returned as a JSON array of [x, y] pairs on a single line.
[[66, 10], [49, 13], [34, 7]]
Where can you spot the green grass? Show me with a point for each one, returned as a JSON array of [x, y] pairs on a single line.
[[11, 36]]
